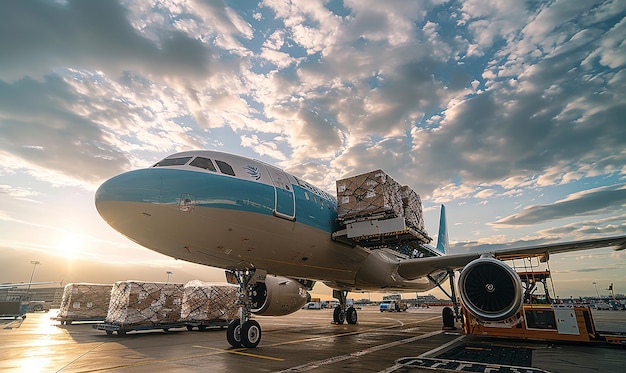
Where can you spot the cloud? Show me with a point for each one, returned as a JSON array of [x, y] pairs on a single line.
[[595, 201], [41, 131], [356, 86], [39, 35], [612, 225], [16, 192]]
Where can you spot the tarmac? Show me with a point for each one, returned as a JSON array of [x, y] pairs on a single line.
[[403, 342]]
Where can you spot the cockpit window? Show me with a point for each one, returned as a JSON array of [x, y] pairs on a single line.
[[202, 162], [173, 162], [225, 168]]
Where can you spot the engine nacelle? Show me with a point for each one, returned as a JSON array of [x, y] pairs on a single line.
[[278, 296], [490, 289]]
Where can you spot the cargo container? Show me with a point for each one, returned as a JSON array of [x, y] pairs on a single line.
[[138, 305], [376, 212], [372, 193], [84, 302], [209, 304]]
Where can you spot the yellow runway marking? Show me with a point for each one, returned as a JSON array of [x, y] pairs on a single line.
[[149, 362], [240, 352], [217, 351], [346, 333]]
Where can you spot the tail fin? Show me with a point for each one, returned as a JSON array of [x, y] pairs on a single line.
[[442, 236]]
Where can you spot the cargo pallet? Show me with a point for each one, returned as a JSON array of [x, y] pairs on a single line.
[[382, 232], [70, 320], [121, 330], [203, 325]]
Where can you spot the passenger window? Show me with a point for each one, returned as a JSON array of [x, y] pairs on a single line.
[[306, 195], [204, 163], [173, 162], [225, 168]]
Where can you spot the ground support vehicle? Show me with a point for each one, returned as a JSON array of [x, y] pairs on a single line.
[[551, 322], [122, 329], [393, 306], [13, 310]]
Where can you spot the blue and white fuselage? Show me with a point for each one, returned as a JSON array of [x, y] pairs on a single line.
[[232, 212]]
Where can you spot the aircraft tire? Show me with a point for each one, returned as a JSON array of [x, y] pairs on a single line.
[[250, 334], [351, 315], [338, 316], [233, 333]]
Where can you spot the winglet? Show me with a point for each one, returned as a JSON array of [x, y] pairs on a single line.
[[442, 236]]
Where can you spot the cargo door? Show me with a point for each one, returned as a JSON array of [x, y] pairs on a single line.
[[284, 205]]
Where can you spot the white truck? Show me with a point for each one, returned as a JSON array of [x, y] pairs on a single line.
[[392, 306]]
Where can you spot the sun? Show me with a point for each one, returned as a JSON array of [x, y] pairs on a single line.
[[70, 245]]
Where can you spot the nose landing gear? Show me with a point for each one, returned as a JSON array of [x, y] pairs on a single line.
[[244, 332]]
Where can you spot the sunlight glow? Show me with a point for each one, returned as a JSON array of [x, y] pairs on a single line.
[[70, 245]]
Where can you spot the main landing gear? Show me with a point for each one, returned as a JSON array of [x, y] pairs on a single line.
[[342, 312], [244, 332], [447, 314]]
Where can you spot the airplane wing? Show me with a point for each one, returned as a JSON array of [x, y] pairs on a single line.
[[20, 284], [418, 267]]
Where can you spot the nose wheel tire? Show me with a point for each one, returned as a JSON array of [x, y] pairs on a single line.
[[246, 335], [250, 334], [233, 333]]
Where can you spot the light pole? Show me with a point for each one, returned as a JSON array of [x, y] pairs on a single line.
[[596, 285], [168, 275], [34, 263]]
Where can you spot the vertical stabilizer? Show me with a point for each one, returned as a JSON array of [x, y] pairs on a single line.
[[442, 236]]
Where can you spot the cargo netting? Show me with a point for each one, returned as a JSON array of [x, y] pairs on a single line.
[[204, 301], [84, 301], [412, 205], [372, 193], [145, 303]]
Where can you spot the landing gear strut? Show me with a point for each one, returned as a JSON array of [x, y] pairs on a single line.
[[453, 297], [342, 312], [244, 331]]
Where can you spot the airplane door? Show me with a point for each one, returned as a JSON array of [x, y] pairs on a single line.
[[284, 205]]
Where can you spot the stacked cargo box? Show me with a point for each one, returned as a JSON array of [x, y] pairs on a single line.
[[84, 302], [377, 212], [412, 204], [373, 193], [145, 303], [204, 301]]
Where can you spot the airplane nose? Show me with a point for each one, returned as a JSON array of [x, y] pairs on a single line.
[[134, 186]]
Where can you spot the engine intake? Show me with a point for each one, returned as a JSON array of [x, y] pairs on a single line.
[[278, 296], [490, 289]]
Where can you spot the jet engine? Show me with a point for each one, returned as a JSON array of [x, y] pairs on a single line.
[[278, 296], [490, 289]]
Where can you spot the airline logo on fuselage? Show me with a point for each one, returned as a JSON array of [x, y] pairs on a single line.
[[253, 171]]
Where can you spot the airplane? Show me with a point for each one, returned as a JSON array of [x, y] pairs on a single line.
[[29, 284], [272, 234]]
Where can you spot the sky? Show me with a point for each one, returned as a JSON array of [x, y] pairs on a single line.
[[510, 113]]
